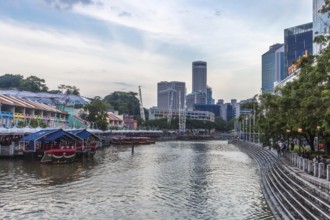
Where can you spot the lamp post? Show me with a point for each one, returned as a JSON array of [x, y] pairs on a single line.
[[317, 141], [250, 128], [246, 128], [299, 131], [288, 132]]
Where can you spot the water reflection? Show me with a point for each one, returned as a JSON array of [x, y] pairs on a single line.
[[168, 180]]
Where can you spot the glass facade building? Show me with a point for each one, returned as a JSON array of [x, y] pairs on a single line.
[[199, 76], [170, 94], [297, 40], [195, 98], [272, 67], [210, 100], [209, 108], [321, 24]]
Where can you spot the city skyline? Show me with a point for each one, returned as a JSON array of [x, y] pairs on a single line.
[[105, 46]]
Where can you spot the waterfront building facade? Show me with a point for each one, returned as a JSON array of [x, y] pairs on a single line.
[[216, 109], [14, 111], [272, 67], [69, 108], [321, 25], [170, 94], [297, 40], [158, 113], [195, 98]]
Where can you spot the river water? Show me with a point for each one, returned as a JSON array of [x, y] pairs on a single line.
[[167, 180]]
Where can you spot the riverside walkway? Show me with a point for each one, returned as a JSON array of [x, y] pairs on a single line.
[[293, 187]]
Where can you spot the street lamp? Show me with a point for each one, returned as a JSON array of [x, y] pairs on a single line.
[[288, 132], [318, 143], [246, 127], [299, 131]]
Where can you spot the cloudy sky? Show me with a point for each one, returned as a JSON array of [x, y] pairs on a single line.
[[102, 46]]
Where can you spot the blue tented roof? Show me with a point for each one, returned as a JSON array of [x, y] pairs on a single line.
[[49, 135], [84, 134], [39, 134], [59, 134]]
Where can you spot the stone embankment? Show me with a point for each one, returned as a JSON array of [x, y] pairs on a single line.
[[291, 189]]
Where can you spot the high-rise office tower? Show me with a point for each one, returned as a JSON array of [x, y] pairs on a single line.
[[297, 40], [199, 77], [272, 67], [168, 94], [321, 24], [210, 100]]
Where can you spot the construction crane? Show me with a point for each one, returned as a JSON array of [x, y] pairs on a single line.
[[141, 105], [170, 107], [182, 117]]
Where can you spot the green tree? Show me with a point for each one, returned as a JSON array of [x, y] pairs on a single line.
[[10, 81], [98, 115], [68, 90], [33, 84], [221, 124], [124, 102]]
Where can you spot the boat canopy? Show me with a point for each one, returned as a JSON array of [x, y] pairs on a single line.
[[50, 135], [83, 134]]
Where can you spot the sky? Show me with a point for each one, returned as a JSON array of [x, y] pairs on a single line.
[[103, 46]]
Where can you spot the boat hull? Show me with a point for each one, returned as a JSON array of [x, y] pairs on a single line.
[[59, 156], [86, 152]]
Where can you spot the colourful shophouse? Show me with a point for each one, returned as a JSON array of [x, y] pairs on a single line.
[[14, 110]]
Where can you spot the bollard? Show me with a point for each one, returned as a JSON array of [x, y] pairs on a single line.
[[310, 166], [293, 159], [321, 170], [297, 161], [328, 172], [305, 164], [316, 165], [301, 163]]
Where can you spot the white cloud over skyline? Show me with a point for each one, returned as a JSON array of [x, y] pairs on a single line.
[[105, 46]]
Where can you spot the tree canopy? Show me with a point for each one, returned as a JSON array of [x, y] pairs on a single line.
[[33, 84], [98, 113], [301, 107], [124, 102]]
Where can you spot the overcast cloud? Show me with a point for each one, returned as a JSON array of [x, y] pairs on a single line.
[[103, 46]]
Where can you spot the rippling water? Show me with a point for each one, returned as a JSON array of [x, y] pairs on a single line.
[[167, 180]]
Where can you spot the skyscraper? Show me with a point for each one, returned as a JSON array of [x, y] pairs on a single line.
[[272, 69], [199, 77], [210, 100], [168, 94], [297, 40], [321, 24]]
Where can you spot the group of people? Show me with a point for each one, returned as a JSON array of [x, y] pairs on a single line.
[[320, 159], [281, 147]]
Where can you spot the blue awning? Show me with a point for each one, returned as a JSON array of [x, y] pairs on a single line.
[[38, 135], [84, 134], [59, 135], [50, 135]]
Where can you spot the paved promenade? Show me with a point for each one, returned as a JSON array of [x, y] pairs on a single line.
[[294, 187]]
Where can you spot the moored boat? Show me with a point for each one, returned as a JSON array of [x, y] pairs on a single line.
[[123, 140], [50, 146], [87, 146], [58, 156]]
